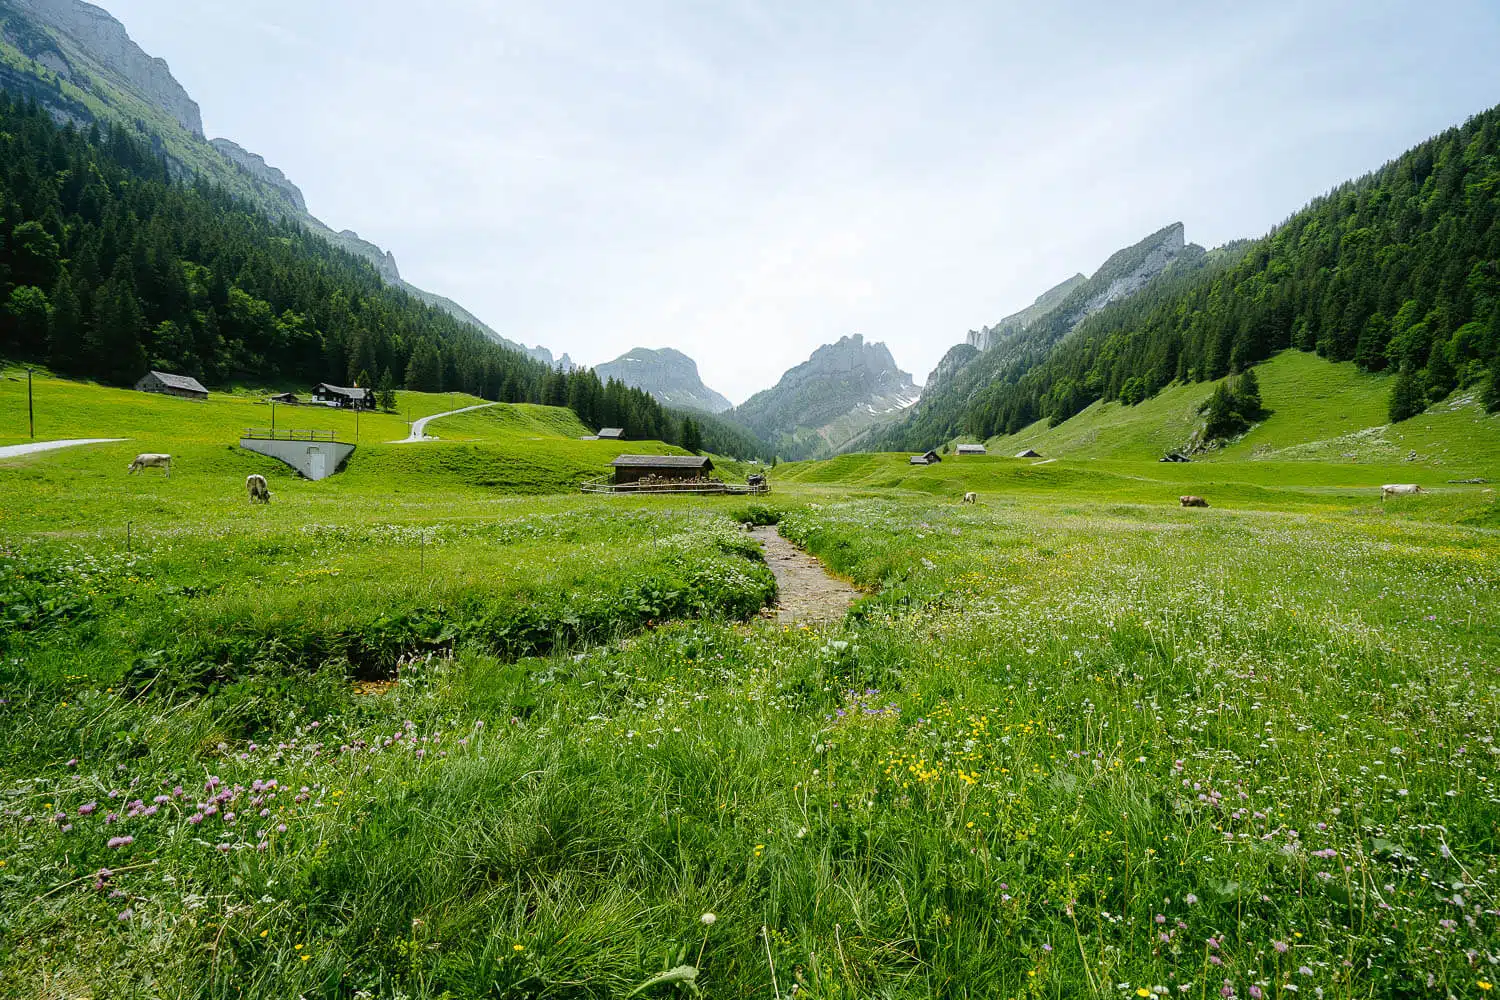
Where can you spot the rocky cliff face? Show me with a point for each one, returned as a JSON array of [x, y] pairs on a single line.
[[107, 41], [989, 336], [830, 400], [82, 65], [671, 376], [256, 166]]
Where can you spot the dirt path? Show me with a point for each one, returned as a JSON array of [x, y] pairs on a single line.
[[809, 595], [16, 450], [419, 426]]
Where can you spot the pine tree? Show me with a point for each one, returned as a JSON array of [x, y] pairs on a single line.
[[1490, 395], [1247, 395], [1442, 377], [386, 394], [692, 436], [1406, 396]]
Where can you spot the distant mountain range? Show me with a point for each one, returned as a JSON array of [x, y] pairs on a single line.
[[80, 63], [669, 375], [830, 401]]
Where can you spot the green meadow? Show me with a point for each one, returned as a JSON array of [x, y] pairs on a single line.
[[440, 726]]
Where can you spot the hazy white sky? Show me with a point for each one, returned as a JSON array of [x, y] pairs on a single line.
[[747, 180]]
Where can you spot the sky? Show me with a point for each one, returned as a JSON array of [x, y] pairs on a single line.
[[745, 181]]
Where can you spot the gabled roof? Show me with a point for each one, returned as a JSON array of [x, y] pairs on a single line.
[[611, 432], [664, 462], [971, 449], [338, 390], [179, 381]]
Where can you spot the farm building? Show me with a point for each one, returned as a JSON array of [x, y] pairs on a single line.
[[1028, 453], [172, 385], [611, 433], [346, 398], [972, 449], [670, 468], [931, 458], [289, 398]]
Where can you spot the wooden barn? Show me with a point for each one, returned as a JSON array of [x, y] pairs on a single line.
[[972, 449], [344, 398], [931, 458], [172, 385], [1028, 453], [289, 398], [660, 468]]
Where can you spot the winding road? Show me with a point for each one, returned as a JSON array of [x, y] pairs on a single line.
[[17, 450], [419, 426]]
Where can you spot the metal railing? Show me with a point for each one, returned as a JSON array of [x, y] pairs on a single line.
[[278, 434]]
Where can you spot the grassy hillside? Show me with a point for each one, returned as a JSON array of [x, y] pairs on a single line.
[[500, 451], [1319, 410]]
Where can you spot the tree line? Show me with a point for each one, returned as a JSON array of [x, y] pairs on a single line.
[[1398, 272], [110, 266]]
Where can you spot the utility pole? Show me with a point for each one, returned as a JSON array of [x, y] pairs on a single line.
[[30, 408], [273, 420]]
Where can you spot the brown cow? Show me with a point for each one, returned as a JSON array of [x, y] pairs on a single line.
[[1192, 501]]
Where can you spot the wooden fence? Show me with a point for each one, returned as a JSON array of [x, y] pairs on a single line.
[[708, 489]]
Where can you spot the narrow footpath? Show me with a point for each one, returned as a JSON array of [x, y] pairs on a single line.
[[808, 593], [419, 426], [17, 450]]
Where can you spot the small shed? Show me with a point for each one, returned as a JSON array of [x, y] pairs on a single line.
[[931, 458], [660, 468], [1028, 453], [168, 384], [289, 398], [344, 397], [611, 434], [972, 449]]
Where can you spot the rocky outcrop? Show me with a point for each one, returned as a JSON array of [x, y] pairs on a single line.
[[106, 40], [830, 400], [989, 336], [256, 165], [671, 376]]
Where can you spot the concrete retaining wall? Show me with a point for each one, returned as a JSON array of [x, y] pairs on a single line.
[[313, 459]]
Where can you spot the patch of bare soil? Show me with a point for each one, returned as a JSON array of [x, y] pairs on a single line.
[[809, 594]]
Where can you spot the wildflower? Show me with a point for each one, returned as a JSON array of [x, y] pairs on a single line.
[[1142, 992], [518, 947], [1190, 899], [1484, 985], [87, 808], [1280, 946], [126, 914], [115, 842], [707, 919]]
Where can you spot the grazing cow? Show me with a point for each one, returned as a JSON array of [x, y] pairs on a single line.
[[971, 498], [255, 485], [151, 462], [1192, 501], [1400, 490]]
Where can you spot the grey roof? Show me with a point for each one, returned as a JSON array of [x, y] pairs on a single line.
[[338, 390], [664, 461], [179, 381], [611, 432], [971, 449]]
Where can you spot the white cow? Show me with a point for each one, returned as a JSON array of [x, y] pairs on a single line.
[[255, 485], [151, 462], [971, 498], [1400, 490]]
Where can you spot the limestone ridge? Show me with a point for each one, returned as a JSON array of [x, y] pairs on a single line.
[[107, 41], [671, 376], [830, 400], [79, 62], [1019, 342], [987, 337]]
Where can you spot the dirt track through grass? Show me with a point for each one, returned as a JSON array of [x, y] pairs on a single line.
[[809, 594]]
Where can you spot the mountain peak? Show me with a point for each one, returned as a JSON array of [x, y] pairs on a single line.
[[668, 374]]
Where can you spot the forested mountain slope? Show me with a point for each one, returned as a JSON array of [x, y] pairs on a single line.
[[1020, 342], [1398, 271], [109, 267], [77, 61]]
